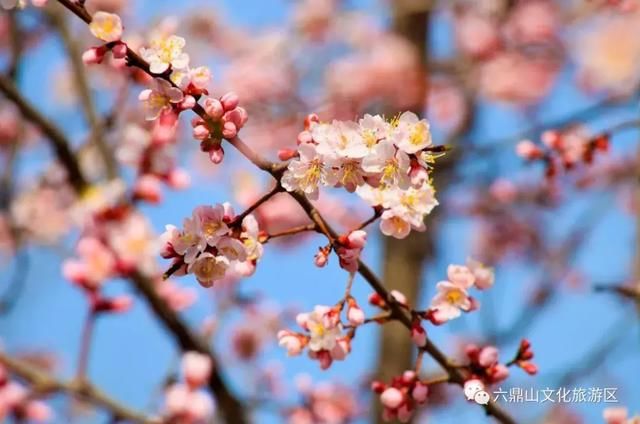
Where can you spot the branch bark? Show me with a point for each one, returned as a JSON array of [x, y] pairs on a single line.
[[43, 383]]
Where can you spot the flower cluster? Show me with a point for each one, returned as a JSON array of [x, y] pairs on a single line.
[[386, 163], [485, 366], [176, 85], [225, 117], [453, 296], [108, 28], [186, 402], [323, 402], [153, 155], [348, 247], [402, 396], [17, 402], [564, 150], [324, 336], [211, 243]]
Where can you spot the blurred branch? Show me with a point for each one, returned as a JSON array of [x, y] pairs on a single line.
[[229, 405], [58, 141], [11, 295], [587, 113], [232, 410], [83, 90], [43, 383]]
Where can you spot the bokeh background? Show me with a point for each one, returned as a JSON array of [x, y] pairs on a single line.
[[583, 72]]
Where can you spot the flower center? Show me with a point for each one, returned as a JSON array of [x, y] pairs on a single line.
[[419, 134], [454, 296]]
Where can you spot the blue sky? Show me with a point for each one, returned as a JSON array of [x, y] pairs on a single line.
[[132, 353]]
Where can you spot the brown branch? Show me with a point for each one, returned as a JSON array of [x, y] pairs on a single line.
[[232, 410], [43, 383], [59, 143], [240, 217], [289, 232]]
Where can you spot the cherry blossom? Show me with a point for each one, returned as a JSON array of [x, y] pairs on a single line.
[[160, 98], [106, 26], [211, 244], [165, 52], [401, 397], [324, 336]]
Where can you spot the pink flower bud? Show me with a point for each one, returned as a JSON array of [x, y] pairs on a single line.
[[499, 372], [176, 398], [199, 407], [376, 300], [244, 116], [229, 101], [405, 413], [148, 188], [325, 359], [357, 239], [529, 367], [188, 102], [216, 155], [355, 315], [392, 398], [94, 55], [119, 304], [418, 175], [484, 278], [321, 258], [472, 351], [74, 271], [474, 304], [228, 212], [528, 150], [312, 118], [290, 341], [615, 415], [229, 130], [551, 139], [119, 51], [200, 132], [179, 179], [286, 154], [305, 137], [214, 108], [409, 376], [399, 297], [378, 386], [488, 356], [38, 411], [196, 368], [236, 117], [420, 392]]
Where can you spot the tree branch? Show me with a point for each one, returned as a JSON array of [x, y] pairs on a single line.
[[43, 383]]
